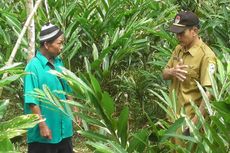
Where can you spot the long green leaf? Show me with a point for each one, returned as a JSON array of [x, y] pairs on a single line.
[[123, 125]]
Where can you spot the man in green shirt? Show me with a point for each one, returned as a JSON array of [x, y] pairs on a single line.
[[54, 134]]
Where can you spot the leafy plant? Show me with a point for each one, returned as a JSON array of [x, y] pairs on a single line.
[[209, 135], [112, 133], [18, 125]]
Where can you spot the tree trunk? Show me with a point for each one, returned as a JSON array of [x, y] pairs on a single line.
[[13, 53], [31, 31]]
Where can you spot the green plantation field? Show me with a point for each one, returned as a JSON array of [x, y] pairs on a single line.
[[114, 53]]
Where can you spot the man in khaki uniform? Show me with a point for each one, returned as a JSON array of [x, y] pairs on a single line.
[[192, 60]]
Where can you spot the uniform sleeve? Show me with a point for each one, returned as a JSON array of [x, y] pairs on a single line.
[[30, 83], [208, 67], [170, 62]]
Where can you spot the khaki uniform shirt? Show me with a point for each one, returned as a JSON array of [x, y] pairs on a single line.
[[200, 60]]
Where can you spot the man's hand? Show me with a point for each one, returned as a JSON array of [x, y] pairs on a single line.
[[186, 131], [45, 131], [195, 120], [78, 120], [75, 110], [178, 71]]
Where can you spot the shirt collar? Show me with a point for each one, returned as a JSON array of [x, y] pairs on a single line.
[[193, 50], [44, 60]]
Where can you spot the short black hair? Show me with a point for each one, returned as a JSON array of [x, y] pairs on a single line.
[[42, 43]]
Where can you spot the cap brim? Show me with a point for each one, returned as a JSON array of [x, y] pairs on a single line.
[[177, 29]]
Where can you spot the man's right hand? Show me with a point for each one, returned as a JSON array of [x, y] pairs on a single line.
[[45, 131], [179, 72]]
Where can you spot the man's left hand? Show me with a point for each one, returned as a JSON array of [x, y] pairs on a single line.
[[78, 120], [195, 120]]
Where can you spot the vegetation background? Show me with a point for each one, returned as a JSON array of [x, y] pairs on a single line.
[[116, 50]]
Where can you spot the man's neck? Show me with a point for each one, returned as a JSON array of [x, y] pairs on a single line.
[[194, 42], [44, 52]]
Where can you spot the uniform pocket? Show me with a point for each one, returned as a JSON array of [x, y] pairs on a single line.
[[192, 73], [189, 83]]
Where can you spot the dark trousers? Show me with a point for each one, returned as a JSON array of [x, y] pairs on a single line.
[[65, 146]]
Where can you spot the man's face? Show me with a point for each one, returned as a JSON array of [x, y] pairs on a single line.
[[186, 38], [56, 46]]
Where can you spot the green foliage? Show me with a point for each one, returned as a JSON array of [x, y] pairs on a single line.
[[11, 16], [113, 134], [121, 47], [209, 135], [123, 50], [3, 107], [18, 125]]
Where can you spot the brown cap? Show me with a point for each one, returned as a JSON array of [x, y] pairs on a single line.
[[183, 20]]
